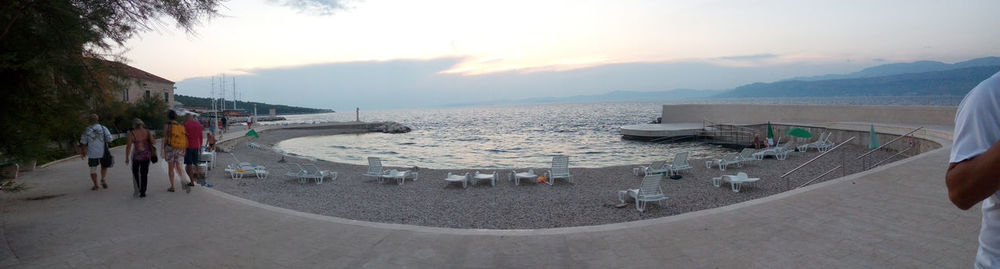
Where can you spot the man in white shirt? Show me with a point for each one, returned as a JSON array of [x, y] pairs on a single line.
[[92, 147], [974, 172]]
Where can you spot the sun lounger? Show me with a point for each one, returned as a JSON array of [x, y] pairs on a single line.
[[518, 176], [313, 172], [560, 169], [657, 167], [679, 163], [728, 159], [649, 191], [464, 179], [735, 181], [490, 177]]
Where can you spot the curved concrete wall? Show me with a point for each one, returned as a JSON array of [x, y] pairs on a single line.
[[753, 114]]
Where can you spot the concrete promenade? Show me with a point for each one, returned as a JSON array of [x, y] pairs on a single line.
[[893, 216]]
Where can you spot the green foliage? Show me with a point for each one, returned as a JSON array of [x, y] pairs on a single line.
[[262, 108], [152, 112], [51, 70]]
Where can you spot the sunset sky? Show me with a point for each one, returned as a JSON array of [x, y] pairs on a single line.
[[463, 40]]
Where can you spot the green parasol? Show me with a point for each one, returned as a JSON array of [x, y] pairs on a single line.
[[252, 133], [770, 133], [799, 132], [872, 139]]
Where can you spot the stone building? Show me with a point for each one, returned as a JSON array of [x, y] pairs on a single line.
[[140, 84]]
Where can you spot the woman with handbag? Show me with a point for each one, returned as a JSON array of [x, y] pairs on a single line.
[[142, 140]]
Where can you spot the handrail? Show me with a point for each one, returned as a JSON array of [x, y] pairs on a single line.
[[887, 143], [818, 156], [890, 157], [820, 176]]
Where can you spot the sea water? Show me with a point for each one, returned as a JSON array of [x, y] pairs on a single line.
[[522, 136]]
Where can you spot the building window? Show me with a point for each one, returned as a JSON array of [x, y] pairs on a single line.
[[147, 94], [166, 98], [125, 95]]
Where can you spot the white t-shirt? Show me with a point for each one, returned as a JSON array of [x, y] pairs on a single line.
[[94, 137], [977, 127]]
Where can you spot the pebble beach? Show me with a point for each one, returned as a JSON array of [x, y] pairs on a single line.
[[431, 201]]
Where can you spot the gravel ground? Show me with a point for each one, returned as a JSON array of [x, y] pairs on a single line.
[[430, 201]]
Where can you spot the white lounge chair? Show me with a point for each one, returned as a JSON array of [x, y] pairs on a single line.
[[375, 168], [399, 176], [679, 163], [293, 170], [649, 191], [746, 155], [518, 176], [313, 172], [464, 179], [822, 144], [480, 176], [657, 167], [237, 171], [735, 182], [560, 169], [728, 159], [779, 151]]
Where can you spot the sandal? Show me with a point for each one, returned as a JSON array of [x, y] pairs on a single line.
[[94, 188], [104, 184], [171, 189]]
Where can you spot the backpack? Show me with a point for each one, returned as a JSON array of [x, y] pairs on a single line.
[[177, 137]]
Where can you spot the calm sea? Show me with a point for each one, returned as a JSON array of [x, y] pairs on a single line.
[[521, 136]]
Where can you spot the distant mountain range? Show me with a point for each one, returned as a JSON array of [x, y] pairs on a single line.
[[615, 96], [906, 68], [955, 82]]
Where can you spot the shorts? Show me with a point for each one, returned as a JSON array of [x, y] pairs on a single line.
[[172, 155], [191, 156], [94, 163]]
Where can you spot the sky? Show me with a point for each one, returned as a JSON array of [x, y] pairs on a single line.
[[386, 53]]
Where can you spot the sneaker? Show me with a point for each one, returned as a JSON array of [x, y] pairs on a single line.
[[207, 185]]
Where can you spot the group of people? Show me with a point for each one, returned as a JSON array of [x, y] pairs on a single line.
[[181, 143]]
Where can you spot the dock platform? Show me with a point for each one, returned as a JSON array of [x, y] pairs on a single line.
[[663, 130]]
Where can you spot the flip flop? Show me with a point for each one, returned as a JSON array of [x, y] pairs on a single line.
[[621, 205], [170, 189], [94, 188]]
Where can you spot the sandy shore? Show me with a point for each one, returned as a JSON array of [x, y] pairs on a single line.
[[430, 201]]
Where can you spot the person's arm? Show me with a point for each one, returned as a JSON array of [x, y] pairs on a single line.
[[128, 147], [83, 145], [163, 145], [974, 179]]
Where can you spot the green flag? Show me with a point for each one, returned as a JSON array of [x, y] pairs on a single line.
[[872, 138], [252, 133]]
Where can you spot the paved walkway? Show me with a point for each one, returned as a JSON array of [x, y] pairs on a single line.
[[893, 216]]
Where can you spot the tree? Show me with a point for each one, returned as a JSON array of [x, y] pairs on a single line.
[[52, 62]]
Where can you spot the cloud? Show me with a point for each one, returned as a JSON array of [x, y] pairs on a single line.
[[754, 57], [423, 82], [315, 7]]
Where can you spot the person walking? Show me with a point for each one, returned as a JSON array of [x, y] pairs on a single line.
[[225, 125], [193, 151], [174, 145], [249, 122], [973, 171], [142, 140], [93, 143]]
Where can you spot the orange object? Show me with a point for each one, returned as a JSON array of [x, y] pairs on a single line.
[[542, 179]]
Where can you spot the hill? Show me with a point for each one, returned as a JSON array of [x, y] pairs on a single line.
[[955, 82], [614, 96], [906, 68], [262, 108]]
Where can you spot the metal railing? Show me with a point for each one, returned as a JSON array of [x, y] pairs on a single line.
[[842, 165], [864, 163]]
